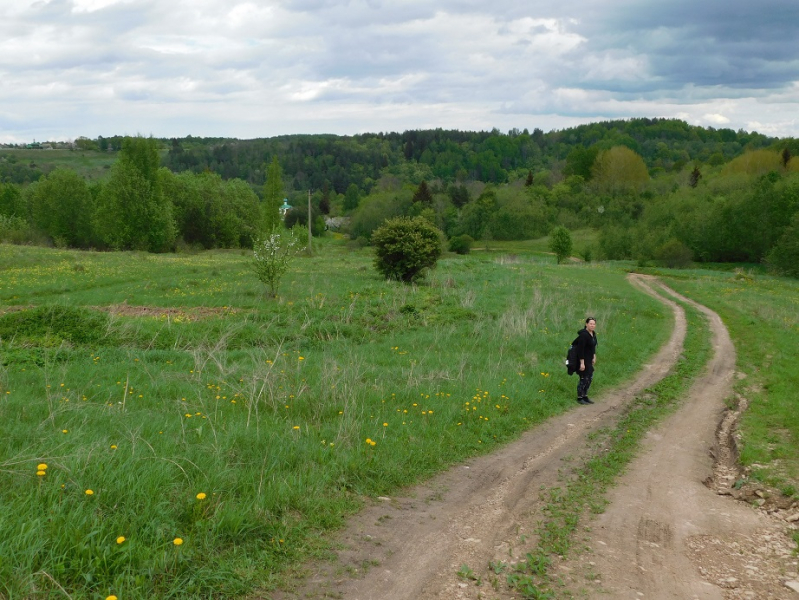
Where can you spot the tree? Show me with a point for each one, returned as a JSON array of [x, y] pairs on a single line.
[[132, 212], [459, 195], [406, 247], [696, 175], [273, 196], [476, 215], [324, 202], [619, 170], [352, 198], [784, 256], [423, 195], [61, 206], [560, 242], [529, 181], [11, 204], [580, 161], [786, 157], [273, 253]]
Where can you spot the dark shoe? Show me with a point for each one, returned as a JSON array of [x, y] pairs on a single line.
[[587, 400], [583, 401]]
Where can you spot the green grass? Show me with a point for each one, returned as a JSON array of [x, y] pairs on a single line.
[[89, 164], [285, 413], [581, 238], [762, 315]]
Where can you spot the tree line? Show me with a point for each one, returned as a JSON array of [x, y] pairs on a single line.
[[656, 190], [140, 206]]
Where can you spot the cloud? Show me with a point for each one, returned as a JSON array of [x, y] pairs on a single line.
[[263, 67]]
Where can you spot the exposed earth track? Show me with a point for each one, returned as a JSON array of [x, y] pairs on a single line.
[[665, 534]]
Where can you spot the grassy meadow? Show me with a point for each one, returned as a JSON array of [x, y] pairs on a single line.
[[91, 164], [200, 438]]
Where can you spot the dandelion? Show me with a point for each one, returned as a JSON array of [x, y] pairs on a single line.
[[41, 473], [65, 431], [201, 496], [113, 446], [120, 539], [41, 467], [296, 427], [89, 492], [177, 541], [385, 424], [111, 597]]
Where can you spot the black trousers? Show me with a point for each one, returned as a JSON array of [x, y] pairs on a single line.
[[586, 377]]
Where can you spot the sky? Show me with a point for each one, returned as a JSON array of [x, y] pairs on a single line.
[[261, 68]]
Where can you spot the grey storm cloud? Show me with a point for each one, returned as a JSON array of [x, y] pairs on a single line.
[[251, 68]]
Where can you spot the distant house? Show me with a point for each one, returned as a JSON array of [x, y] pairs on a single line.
[[285, 208]]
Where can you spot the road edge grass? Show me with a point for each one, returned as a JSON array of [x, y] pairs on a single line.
[[585, 487]]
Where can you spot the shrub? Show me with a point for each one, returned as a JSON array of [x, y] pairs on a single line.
[[674, 254], [461, 244], [406, 247], [50, 326], [273, 253], [560, 242]]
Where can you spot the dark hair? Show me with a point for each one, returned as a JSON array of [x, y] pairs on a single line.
[[590, 319]]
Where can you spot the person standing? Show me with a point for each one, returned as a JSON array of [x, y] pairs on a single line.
[[586, 354]]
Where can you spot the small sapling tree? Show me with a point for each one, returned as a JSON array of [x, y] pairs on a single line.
[[272, 254], [406, 247], [560, 242]]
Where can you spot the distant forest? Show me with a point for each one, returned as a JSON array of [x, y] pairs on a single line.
[[656, 189]]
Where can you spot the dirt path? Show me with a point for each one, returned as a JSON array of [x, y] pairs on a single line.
[[411, 547], [670, 530]]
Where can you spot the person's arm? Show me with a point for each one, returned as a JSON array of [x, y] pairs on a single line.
[[581, 350]]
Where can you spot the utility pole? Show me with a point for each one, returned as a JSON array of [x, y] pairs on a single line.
[[309, 223]]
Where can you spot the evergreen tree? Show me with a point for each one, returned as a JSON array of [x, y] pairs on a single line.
[[696, 175], [423, 194], [324, 202], [273, 196]]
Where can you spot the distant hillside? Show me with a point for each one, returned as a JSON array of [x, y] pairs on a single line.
[[311, 161], [336, 162]]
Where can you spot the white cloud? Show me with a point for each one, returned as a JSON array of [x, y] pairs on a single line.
[[264, 67]]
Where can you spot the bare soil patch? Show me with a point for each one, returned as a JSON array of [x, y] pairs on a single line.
[[160, 312]]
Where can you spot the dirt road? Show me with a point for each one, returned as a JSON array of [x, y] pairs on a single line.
[[665, 534]]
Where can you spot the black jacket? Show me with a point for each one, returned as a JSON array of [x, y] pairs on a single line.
[[586, 346]]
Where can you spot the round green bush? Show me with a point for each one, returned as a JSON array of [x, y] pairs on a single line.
[[405, 247], [461, 244]]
